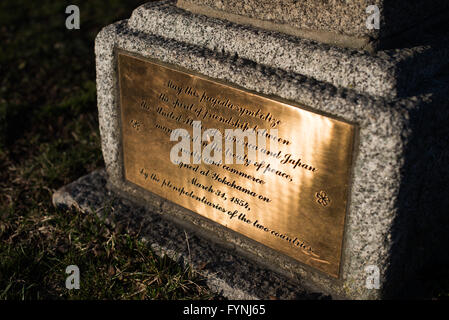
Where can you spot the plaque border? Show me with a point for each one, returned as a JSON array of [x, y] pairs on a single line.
[[206, 232]]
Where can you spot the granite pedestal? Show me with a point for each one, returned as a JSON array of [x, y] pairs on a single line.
[[398, 98]]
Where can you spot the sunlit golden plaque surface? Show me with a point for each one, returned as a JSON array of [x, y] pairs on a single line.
[[292, 197]]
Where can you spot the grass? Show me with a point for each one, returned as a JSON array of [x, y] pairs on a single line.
[[114, 265], [49, 137]]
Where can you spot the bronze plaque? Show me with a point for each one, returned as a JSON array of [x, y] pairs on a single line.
[[289, 194]]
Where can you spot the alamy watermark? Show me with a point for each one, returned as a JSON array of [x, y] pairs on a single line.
[[256, 144], [373, 20], [373, 277], [73, 280], [73, 20]]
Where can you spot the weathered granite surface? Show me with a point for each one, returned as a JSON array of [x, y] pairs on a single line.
[[226, 272], [401, 156], [337, 22], [387, 74]]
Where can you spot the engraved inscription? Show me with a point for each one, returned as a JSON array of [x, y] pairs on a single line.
[[273, 171]]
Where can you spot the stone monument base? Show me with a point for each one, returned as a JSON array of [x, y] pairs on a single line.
[[226, 271], [396, 221]]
